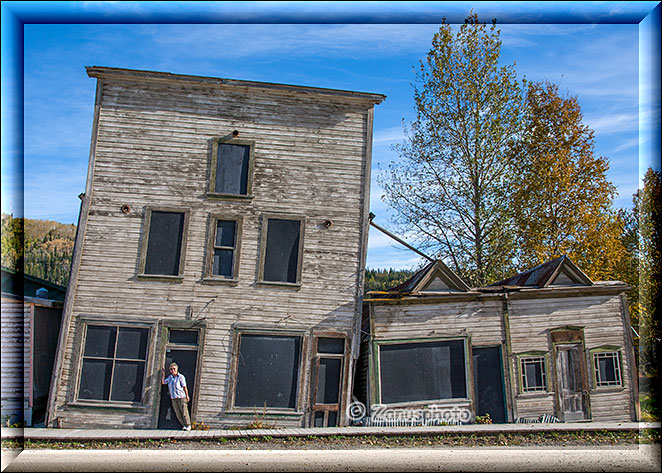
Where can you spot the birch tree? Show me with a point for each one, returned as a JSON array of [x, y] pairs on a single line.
[[450, 187]]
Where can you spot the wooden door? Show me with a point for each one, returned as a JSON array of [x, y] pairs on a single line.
[[489, 383], [327, 381], [570, 369]]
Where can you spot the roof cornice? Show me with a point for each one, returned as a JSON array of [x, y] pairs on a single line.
[[112, 73]]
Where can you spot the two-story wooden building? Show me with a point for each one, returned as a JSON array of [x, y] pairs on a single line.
[[223, 226]]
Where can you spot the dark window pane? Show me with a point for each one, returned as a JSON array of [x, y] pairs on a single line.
[[328, 381], [225, 230], [232, 169], [223, 263], [128, 381], [100, 341], [132, 343], [422, 371], [607, 369], [534, 375], [333, 419], [183, 337], [333, 346], [319, 419], [282, 252], [164, 243], [95, 379], [267, 372]]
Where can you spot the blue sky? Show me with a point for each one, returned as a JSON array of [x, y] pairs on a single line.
[[319, 44]]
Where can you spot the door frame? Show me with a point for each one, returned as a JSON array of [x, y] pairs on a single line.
[[165, 327], [343, 382], [561, 337]]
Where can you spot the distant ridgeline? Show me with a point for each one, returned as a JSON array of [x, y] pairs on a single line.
[[46, 250], [382, 279]]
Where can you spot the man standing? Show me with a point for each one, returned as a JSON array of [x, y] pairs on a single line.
[[178, 394]]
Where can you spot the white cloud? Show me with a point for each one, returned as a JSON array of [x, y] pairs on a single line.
[[390, 135], [627, 144], [615, 123]]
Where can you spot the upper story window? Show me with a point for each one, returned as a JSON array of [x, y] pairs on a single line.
[[282, 250], [231, 168], [163, 243], [224, 249]]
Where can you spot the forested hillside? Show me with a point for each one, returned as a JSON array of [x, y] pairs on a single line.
[[382, 279], [45, 246]]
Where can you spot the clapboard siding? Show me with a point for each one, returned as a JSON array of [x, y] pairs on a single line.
[[152, 149], [15, 358], [603, 324], [523, 324], [610, 406], [479, 320]]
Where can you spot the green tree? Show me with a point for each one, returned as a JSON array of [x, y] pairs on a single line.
[[449, 189], [384, 279], [646, 210], [41, 248], [563, 202], [12, 242]]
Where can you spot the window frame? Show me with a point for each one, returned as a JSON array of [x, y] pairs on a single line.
[[147, 222], [378, 370], [543, 358], [209, 277], [618, 368], [297, 411], [216, 142], [263, 249], [146, 388]]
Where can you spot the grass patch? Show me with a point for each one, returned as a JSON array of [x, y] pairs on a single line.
[[552, 439]]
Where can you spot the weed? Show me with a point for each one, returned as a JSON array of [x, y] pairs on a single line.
[[486, 419], [259, 421]]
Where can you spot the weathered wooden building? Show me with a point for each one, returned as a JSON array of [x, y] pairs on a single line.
[[546, 343], [31, 315], [224, 226]]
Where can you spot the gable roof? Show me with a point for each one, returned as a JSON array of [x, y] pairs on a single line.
[[435, 277], [559, 271]]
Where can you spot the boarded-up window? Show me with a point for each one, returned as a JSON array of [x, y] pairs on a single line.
[[164, 243], [281, 255], [534, 376], [232, 169], [113, 363], [422, 371], [607, 369], [268, 371]]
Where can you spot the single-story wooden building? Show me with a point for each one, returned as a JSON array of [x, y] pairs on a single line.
[[31, 315], [546, 343]]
